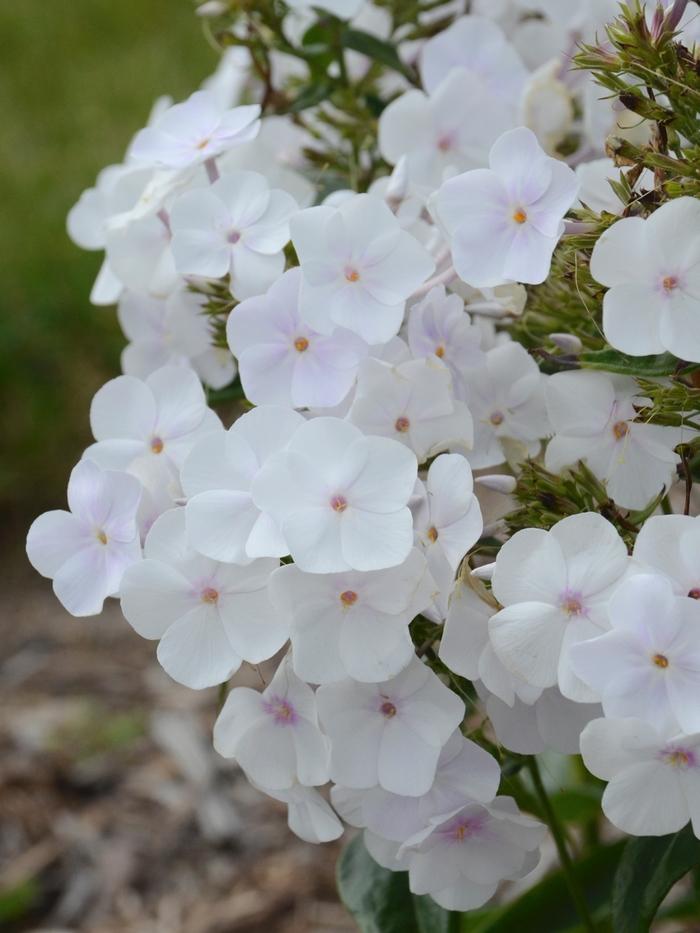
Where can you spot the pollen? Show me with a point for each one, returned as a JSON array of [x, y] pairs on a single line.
[[519, 216], [352, 275], [497, 418], [301, 344], [660, 660], [571, 605], [694, 593], [432, 534], [348, 598], [669, 282], [445, 143], [620, 430], [461, 832], [679, 758], [210, 595], [157, 445], [387, 709], [440, 351], [339, 503], [101, 536], [402, 424], [204, 143]]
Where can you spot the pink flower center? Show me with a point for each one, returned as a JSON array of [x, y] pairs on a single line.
[[463, 828], [352, 275], [669, 282], [678, 757], [348, 598], [157, 445], [281, 711], [620, 429], [210, 595], [233, 237], [301, 344], [694, 593], [497, 417], [445, 142], [571, 604], [387, 709], [339, 503], [402, 424]]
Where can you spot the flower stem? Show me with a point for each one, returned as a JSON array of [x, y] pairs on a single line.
[[560, 842]]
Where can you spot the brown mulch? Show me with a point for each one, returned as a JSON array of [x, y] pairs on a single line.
[[116, 815]]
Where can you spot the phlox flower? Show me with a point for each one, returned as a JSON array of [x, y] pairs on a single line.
[[478, 46], [460, 858], [412, 403], [161, 416], [648, 664], [389, 733], [465, 773], [444, 132], [208, 616], [85, 551], [139, 257], [274, 735], [352, 624], [593, 417], [237, 226], [507, 402], [670, 544], [282, 360], [555, 586], [171, 331], [340, 498], [653, 777], [652, 270], [358, 267], [504, 222], [223, 521], [439, 326], [193, 131]]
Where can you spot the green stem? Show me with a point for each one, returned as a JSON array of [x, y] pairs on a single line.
[[560, 842]]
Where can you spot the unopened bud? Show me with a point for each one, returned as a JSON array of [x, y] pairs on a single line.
[[485, 572], [568, 343], [675, 14], [212, 8], [398, 183], [498, 482]]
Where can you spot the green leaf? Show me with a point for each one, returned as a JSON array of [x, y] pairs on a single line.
[[548, 906], [648, 869], [577, 804], [380, 900], [310, 96], [613, 361], [383, 52]]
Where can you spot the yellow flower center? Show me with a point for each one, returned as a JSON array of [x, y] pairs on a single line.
[[519, 216], [301, 344]]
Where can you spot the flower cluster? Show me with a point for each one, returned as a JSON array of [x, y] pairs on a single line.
[[334, 528]]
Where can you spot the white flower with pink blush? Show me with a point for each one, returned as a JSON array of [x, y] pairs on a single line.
[[208, 617], [389, 733], [652, 270], [339, 498], [504, 222], [358, 267], [282, 360], [193, 131], [274, 735], [85, 551], [238, 226]]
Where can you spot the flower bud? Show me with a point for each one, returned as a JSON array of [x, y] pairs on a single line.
[[485, 572], [568, 343], [212, 8], [498, 482]]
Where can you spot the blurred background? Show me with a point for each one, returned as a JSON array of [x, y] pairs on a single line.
[[115, 814]]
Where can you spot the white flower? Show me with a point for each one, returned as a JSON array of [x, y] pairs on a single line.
[[285, 362], [161, 416], [653, 778], [308, 815], [223, 522], [506, 399], [653, 267], [340, 498], [199, 128], [478, 46], [596, 191], [504, 222], [237, 226], [670, 544], [555, 586], [460, 858], [445, 132], [412, 403], [547, 106], [438, 325], [358, 267], [352, 624], [593, 417], [648, 665], [85, 551], [389, 733], [274, 735], [171, 332], [139, 257], [208, 616], [465, 773]]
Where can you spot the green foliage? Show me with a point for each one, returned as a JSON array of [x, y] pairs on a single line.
[[648, 869], [612, 361]]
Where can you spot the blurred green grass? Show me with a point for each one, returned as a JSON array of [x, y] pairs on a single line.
[[77, 79]]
